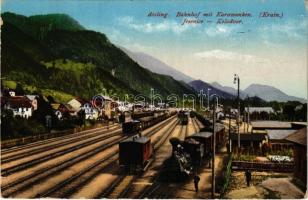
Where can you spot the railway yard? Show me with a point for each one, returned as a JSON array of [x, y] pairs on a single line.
[[86, 165]]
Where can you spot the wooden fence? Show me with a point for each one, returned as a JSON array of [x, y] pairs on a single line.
[[263, 166]]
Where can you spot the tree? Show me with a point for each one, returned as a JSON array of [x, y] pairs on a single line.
[[289, 111]]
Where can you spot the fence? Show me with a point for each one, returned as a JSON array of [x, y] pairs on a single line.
[[226, 177], [263, 166]]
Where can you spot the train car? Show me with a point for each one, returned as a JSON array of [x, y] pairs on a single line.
[[183, 117], [135, 153], [195, 149], [204, 138], [219, 133], [132, 127]]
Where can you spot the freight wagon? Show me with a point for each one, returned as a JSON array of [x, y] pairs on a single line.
[[135, 153]]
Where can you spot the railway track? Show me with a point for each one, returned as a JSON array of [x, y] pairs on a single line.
[[99, 134], [159, 190], [45, 157], [195, 125], [48, 141], [25, 182], [184, 132], [152, 179], [122, 185], [67, 188]]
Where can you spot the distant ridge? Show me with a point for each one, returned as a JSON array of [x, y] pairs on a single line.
[[155, 65], [270, 93], [265, 92], [201, 85]]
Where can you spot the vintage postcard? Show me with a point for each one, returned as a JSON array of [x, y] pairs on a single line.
[[201, 99]]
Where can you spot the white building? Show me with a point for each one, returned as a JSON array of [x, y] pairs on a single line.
[[259, 110], [20, 105], [90, 111]]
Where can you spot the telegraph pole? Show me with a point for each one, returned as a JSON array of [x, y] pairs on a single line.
[[208, 98], [237, 80], [213, 156], [229, 138]]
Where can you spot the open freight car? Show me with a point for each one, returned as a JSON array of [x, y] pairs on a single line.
[[135, 153]]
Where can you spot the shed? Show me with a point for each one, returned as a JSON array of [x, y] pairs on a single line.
[[276, 139], [278, 135], [263, 125], [299, 139], [248, 140]]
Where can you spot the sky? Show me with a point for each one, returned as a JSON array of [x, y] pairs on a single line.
[[264, 50]]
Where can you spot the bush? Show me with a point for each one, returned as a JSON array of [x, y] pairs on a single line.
[[243, 157], [15, 127]]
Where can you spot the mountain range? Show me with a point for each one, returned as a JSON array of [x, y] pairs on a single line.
[[157, 66], [265, 92], [55, 55]]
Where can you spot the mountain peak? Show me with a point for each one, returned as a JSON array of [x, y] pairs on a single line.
[[270, 93]]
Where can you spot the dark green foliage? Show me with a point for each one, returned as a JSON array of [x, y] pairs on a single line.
[[29, 43], [39, 25], [14, 127], [44, 109]]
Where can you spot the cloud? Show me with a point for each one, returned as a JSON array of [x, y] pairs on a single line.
[[150, 27], [295, 29], [219, 30], [225, 55]]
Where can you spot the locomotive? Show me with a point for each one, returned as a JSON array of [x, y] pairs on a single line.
[[187, 156], [183, 117]]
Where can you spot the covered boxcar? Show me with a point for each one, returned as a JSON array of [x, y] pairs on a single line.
[[195, 149], [204, 138], [135, 153], [219, 133]]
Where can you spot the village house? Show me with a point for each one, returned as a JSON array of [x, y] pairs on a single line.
[[90, 111], [20, 105], [12, 93], [33, 100], [76, 104], [299, 139], [276, 139], [60, 110]]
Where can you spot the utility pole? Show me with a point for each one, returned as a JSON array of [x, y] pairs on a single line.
[[208, 98], [229, 138], [213, 156], [237, 80], [248, 116], [244, 120]]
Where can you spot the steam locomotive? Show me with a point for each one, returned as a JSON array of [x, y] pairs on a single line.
[[187, 156]]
